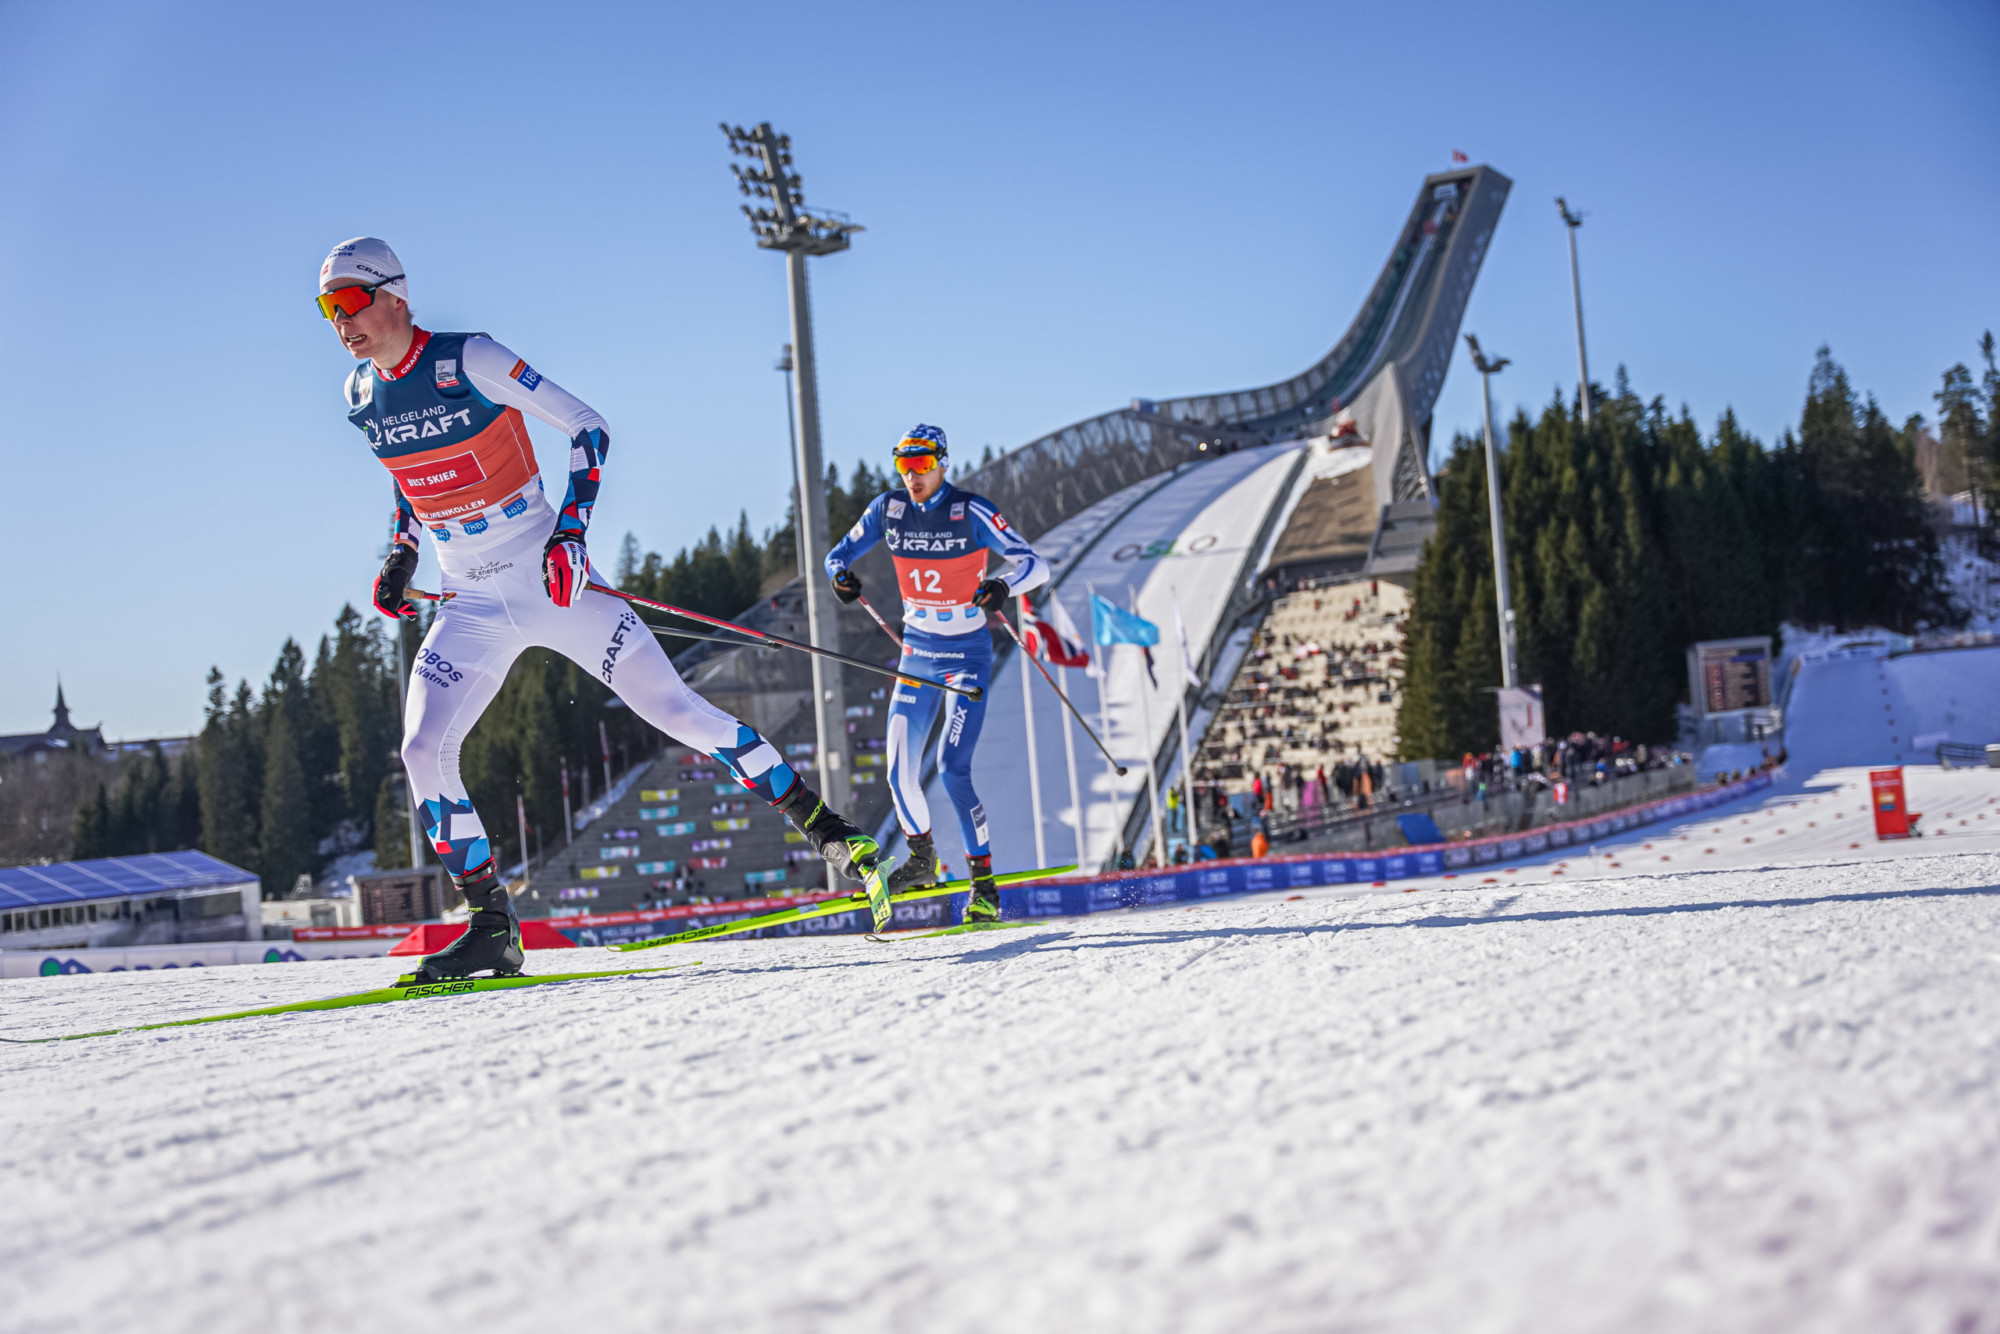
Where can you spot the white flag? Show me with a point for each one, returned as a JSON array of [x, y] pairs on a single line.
[[1187, 658]]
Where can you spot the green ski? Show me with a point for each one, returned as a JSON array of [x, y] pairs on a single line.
[[830, 908], [452, 987]]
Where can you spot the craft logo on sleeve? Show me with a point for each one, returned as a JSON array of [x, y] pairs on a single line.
[[526, 375], [447, 373], [957, 510]]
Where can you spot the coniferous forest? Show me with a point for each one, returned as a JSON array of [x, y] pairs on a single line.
[[1631, 538]]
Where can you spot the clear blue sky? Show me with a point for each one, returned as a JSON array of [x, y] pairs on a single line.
[[1067, 206]]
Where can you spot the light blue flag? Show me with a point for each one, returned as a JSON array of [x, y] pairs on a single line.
[[1112, 624]]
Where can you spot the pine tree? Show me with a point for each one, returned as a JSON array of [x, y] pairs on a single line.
[[231, 776], [286, 842]]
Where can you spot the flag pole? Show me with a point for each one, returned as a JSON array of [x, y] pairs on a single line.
[[1180, 704], [1152, 769], [1069, 759], [1028, 721], [1103, 674]]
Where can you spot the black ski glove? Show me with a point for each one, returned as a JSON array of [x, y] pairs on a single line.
[[847, 586], [992, 596], [395, 577]]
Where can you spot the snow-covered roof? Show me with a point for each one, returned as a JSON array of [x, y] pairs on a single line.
[[116, 878]]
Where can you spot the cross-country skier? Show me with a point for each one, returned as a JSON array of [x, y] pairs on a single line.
[[442, 411], [938, 537]]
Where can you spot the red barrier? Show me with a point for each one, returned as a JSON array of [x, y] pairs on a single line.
[[536, 934], [1893, 817], [382, 931]]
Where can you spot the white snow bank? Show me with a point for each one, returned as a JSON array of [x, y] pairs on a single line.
[[1753, 1098]]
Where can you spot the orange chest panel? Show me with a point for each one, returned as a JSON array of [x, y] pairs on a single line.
[[949, 582], [459, 477]]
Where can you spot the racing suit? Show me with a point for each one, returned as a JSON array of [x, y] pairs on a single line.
[[447, 424], [940, 549]]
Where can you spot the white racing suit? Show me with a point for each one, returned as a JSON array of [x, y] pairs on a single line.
[[447, 423]]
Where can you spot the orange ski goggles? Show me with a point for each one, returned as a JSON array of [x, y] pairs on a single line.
[[350, 301], [915, 464]]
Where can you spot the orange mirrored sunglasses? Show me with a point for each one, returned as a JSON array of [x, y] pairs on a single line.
[[350, 301], [922, 458]]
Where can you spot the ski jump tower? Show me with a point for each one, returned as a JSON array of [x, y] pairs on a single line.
[[1380, 381]]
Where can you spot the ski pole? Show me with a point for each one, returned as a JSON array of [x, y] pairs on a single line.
[[1015, 636], [970, 692], [878, 620]]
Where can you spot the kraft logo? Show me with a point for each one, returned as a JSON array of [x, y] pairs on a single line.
[[515, 508]]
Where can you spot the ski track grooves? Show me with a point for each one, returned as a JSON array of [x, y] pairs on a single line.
[[1744, 1099]]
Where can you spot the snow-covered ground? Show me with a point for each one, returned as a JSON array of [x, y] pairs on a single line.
[[1750, 1089]]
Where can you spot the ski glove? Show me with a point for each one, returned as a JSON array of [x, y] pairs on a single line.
[[565, 568], [395, 577], [992, 595], [847, 586]]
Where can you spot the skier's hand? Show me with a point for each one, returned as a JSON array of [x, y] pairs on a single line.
[[992, 596], [396, 574], [565, 568], [847, 586]]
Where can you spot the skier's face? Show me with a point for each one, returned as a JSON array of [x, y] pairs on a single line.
[[379, 330], [924, 485]]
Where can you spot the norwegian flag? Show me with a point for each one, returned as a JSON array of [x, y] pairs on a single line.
[[1052, 636], [1457, 156]]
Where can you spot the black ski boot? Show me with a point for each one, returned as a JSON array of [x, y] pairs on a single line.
[[920, 868], [845, 848], [984, 905], [492, 940]]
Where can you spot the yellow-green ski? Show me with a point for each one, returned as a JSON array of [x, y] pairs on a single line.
[[831, 908], [451, 987]]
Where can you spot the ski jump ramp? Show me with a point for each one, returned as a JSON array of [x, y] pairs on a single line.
[[1176, 502]]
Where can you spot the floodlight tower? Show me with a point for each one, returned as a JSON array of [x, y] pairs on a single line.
[[1573, 221], [1488, 368], [784, 224]]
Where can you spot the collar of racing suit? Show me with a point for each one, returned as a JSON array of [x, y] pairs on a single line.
[[937, 498], [419, 340]]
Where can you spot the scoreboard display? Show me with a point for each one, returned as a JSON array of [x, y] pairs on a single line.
[[1730, 674]]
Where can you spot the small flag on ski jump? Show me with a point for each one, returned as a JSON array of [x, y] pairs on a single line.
[[1457, 156], [1052, 636], [1112, 624], [1187, 658]]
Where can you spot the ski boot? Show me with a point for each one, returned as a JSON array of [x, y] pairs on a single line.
[[845, 848], [492, 940], [920, 868], [984, 905]]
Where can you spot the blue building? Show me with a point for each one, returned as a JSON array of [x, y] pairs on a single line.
[[168, 898]]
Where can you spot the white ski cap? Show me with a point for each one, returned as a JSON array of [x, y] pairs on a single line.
[[366, 260]]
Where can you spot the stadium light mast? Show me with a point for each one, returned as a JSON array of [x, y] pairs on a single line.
[[784, 224], [1488, 368], [1572, 221]]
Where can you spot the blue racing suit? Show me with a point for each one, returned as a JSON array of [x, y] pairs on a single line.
[[940, 552]]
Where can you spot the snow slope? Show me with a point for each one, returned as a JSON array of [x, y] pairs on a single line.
[[1755, 1089]]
